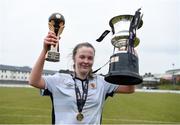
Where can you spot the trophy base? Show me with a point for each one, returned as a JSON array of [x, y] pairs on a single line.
[[124, 78], [52, 56], [124, 70]]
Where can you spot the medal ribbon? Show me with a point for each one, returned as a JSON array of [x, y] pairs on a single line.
[[81, 99]]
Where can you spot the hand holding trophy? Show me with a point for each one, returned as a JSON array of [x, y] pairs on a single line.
[[56, 24]]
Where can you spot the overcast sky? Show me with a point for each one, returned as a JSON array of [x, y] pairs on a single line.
[[24, 24]]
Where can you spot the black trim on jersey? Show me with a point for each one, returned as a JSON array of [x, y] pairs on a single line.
[[52, 113], [109, 94], [46, 92]]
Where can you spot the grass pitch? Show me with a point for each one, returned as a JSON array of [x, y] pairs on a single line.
[[26, 106]]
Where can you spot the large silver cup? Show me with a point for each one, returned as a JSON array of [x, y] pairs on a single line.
[[124, 66], [56, 24]]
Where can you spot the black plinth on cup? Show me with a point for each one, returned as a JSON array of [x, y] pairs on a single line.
[[124, 69]]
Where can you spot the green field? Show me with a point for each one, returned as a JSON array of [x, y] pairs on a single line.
[[26, 106]]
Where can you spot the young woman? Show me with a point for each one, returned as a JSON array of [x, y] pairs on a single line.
[[78, 98]]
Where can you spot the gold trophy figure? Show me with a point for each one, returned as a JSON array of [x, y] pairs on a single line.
[[56, 24]]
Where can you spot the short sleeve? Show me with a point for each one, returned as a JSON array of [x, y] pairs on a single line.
[[52, 80], [109, 87]]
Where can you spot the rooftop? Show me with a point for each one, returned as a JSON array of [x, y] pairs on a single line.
[[22, 69]]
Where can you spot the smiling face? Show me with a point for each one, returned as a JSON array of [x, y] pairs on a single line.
[[83, 60]]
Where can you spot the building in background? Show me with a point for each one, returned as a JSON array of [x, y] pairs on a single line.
[[150, 81], [17, 75], [174, 75]]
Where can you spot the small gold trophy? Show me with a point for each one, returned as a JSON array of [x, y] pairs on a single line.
[[56, 24]]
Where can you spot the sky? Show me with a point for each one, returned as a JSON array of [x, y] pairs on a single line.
[[24, 25]]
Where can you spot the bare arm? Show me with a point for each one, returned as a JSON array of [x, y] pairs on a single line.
[[127, 89], [35, 78]]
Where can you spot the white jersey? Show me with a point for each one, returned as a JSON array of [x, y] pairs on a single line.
[[62, 87]]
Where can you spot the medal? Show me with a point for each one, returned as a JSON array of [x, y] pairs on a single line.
[[81, 98], [79, 117]]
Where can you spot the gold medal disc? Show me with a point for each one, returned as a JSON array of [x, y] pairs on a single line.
[[79, 117]]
